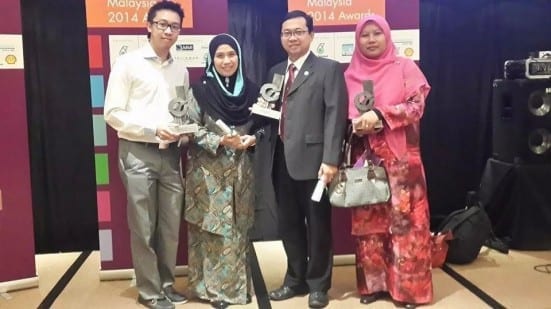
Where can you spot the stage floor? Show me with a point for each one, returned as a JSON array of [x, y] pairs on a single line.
[[494, 278]]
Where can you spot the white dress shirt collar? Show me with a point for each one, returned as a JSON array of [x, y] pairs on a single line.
[[149, 53], [299, 62]]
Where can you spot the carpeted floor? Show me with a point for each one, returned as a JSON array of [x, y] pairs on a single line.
[[493, 280]]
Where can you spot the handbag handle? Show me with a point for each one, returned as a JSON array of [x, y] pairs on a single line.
[[346, 148]]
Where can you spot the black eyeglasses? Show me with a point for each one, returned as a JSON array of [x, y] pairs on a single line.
[[162, 25], [297, 33]]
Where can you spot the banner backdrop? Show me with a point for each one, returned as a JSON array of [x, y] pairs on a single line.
[[114, 28], [17, 267], [335, 22], [334, 25]]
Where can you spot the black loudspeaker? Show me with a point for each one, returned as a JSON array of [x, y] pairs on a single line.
[[521, 115]]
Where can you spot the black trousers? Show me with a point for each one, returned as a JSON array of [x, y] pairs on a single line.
[[304, 228]]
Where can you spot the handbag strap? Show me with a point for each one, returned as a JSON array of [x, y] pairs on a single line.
[[347, 148]]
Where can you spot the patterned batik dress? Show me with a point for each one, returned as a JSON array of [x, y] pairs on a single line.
[[393, 248], [219, 210]]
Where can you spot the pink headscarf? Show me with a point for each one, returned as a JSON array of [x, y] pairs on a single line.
[[394, 80]]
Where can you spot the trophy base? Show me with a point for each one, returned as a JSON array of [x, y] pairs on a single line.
[[184, 129], [266, 112]]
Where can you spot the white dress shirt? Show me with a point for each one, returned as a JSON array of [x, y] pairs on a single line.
[[298, 64], [139, 89]]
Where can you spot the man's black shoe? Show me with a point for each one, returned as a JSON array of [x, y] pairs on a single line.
[[174, 296], [318, 300], [219, 304], [286, 292], [156, 303]]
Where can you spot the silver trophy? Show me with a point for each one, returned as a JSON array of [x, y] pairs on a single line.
[[269, 94], [365, 101], [178, 108]]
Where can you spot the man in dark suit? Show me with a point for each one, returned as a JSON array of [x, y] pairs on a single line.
[[306, 146]]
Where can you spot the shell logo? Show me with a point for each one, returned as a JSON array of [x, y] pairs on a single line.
[[408, 52], [11, 59]]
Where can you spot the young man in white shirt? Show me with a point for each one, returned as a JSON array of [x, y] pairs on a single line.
[[141, 85]]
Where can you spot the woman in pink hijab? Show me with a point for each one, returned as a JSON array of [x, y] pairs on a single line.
[[393, 247]]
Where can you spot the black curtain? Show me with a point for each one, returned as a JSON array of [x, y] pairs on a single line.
[[60, 125], [463, 47], [256, 25]]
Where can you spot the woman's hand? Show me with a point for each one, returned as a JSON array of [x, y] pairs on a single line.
[[248, 141], [366, 124], [231, 141]]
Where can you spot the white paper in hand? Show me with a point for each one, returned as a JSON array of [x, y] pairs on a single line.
[[224, 127], [318, 190]]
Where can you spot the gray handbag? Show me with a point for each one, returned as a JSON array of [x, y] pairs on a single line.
[[359, 186]]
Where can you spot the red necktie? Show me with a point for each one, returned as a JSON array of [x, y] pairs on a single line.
[[288, 84]]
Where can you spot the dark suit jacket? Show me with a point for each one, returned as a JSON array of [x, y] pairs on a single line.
[[315, 118]]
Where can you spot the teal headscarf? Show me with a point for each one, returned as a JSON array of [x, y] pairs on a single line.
[[236, 81], [230, 104]]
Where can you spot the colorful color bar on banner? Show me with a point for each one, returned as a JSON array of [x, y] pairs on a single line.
[[106, 245], [100, 130], [95, 56], [127, 13], [97, 90], [104, 206], [342, 12], [102, 169]]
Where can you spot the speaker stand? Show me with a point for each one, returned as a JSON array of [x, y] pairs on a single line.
[[517, 198]]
